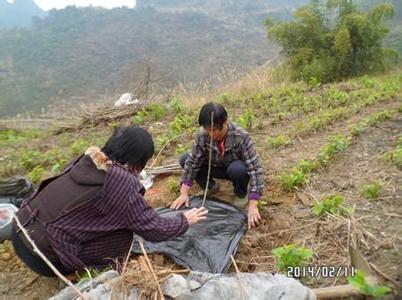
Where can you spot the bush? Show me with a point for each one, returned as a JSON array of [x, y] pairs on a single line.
[[331, 40]]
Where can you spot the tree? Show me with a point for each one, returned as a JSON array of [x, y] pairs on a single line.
[[333, 39]]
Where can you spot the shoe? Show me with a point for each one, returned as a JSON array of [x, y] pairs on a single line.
[[211, 190], [240, 202]]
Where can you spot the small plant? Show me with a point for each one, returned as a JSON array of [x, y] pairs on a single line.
[[306, 166], [379, 117], [332, 204], [293, 180], [224, 98], [156, 111], [337, 143], [30, 159], [160, 141], [180, 124], [177, 105], [277, 141], [372, 191], [140, 117], [395, 156], [173, 186], [36, 174], [261, 204], [291, 256], [180, 149], [246, 120], [314, 82], [360, 283], [79, 147]]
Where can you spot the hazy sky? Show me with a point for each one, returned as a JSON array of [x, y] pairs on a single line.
[[49, 4]]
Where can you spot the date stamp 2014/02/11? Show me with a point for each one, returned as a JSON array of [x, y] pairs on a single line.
[[321, 271]]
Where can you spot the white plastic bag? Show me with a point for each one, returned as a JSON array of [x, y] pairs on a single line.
[[7, 212]]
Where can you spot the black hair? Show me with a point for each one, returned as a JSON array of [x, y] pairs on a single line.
[[130, 145], [220, 115]]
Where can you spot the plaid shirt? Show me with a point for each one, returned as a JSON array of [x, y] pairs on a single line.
[[238, 146], [99, 232]]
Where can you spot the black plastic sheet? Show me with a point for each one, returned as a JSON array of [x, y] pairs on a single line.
[[207, 245], [15, 190]]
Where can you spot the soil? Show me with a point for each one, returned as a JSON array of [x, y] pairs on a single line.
[[287, 218]]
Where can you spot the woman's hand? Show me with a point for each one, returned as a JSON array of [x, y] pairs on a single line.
[[182, 199], [195, 215], [254, 217]]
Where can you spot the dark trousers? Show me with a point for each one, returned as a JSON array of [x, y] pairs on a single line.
[[34, 262], [236, 172]]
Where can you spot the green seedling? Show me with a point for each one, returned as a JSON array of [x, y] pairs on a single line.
[[293, 180], [372, 191], [291, 256], [359, 282], [79, 147], [277, 141], [36, 174], [173, 186], [332, 204]]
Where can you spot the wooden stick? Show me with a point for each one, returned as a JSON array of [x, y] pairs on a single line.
[[164, 146], [336, 291], [238, 276], [151, 269], [209, 161], [383, 274], [127, 258], [41, 255]]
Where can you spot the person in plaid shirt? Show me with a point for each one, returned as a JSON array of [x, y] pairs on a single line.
[[233, 158]]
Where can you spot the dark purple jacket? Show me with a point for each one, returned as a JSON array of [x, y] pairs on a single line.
[[86, 216]]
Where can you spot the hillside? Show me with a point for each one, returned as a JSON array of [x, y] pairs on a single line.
[[87, 54], [19, 13], [316, 143]]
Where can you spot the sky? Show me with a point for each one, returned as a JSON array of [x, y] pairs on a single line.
[[58, 4]]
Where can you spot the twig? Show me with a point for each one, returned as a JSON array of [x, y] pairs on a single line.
[[383, 274], [209, 161], [41, 255], [238, 276], [127, 258], [164, 146], [151, 269]]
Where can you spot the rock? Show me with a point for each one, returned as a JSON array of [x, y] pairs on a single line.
[[199, 285]]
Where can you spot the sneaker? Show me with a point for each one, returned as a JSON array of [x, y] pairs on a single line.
[[211, 190], [240, 202]]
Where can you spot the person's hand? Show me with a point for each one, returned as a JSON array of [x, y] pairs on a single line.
[[254, 217], [195, 215], [182, 199]]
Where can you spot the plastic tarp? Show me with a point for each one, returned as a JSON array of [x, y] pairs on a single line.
[[207, 245], [15, 190]]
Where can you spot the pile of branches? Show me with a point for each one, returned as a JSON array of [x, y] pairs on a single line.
[[103, 116], [147, 276]]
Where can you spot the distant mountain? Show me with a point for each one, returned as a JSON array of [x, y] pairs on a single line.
[[19, 13], [87, 53]]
